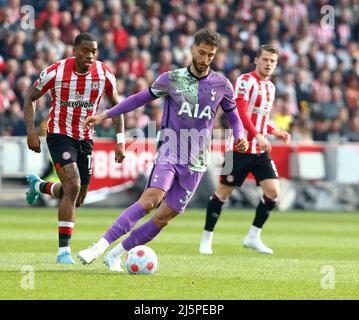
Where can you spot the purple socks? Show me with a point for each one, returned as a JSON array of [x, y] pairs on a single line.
[[141, 235], [125, 222]]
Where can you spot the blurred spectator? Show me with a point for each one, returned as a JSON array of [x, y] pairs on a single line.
[[53, 43], [282, 116], [50, 17], [7, 96], [353, 135], [180, 50], [107, 51], [14, 120], [301, 131], [164, 64], [320, 129], [120, 34], [105, 129]]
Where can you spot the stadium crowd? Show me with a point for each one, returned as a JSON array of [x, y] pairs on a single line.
[[317, 80]]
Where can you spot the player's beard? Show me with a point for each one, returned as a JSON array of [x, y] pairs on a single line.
[[199, 69], [265, 73], [83, 65]]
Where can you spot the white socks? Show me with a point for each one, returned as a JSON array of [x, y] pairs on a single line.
[[63, 249], [254, 232], [102, 245], [207, 235], [118, 250]]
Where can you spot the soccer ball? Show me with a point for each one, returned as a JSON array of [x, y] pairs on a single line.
[[141, 260]]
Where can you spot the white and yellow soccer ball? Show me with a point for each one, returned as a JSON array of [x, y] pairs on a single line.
[[141, 260]]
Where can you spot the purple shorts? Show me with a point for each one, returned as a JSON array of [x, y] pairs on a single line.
[[178, 181]]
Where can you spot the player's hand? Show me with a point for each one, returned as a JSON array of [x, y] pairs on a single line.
[[283, 136], [33, 141], [120, 152], [263, 143], [241, 145], [91, 121]]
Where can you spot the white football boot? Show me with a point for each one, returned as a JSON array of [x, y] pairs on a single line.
[[205, 246], [89, 255], [256, 244], [113, 262]]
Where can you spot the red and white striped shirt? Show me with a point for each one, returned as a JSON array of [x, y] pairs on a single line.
[[254, 98], [74, 96]]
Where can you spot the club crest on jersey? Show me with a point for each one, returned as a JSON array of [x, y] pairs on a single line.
[[193, 112], [95, 85], [213, 93]]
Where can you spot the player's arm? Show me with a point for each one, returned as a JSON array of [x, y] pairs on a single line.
[[233, 118], [45, 81], [242, 106], [242, 93], [33, 140], [279, 134], [157, 89], [130, 103], [119, 125]]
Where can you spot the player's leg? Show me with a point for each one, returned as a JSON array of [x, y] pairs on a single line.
[[70, 180], [38, 186], [140, 235], [234, 171], [150, 198], [84, 164], [214, 209], [82, 195], [268, 201], [159, 182], [267, 177], [175, 201], [64, 152]]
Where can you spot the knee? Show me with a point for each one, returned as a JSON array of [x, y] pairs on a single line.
[[149, 202], [72, 188], [161, 221], [272, 194], [223, 192]]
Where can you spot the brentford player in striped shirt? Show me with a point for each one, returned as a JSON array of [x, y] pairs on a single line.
[[254, 98], [76, 85]]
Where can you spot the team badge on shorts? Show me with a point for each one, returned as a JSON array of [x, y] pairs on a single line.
[[66, 155], [230, 178]]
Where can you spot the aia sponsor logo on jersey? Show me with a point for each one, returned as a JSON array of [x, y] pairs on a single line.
[[193, 111]]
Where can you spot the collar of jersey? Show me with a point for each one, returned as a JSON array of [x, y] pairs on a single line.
[[254, 74], [80, 74], [198, 78]]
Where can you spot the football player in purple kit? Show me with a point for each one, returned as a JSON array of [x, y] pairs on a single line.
[[192, 96]]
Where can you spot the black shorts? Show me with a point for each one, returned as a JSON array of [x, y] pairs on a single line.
[[65, 150], [260, 165]]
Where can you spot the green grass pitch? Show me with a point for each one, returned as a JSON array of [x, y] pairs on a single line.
[[315, 257]]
